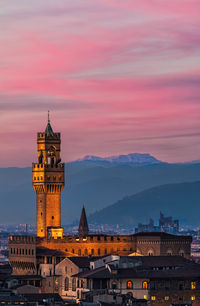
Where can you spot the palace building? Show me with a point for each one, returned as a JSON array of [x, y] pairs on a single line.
[[48, 176]]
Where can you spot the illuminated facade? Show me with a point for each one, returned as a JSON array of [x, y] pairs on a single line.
[[48, 183], [48, 178]]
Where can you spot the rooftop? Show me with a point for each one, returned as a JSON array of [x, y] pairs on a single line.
[[82, 262], [42, 251], [148, 267]]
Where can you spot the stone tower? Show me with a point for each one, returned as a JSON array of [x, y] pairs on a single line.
[[48, 182], [83, 229]]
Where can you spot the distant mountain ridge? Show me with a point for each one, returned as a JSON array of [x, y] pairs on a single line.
[[178, 200], [94, 184], [132, 158]]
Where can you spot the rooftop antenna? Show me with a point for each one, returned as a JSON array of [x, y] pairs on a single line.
[[48, 116]]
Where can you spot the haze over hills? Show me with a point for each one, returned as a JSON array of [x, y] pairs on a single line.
[[95, 184], [179, 200]]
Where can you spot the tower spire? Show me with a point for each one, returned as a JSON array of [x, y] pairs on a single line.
[[83, 229], [48, 129]]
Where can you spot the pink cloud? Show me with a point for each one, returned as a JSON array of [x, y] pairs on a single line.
[[113, 73]]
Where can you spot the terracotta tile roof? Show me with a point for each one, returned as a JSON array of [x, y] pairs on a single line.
[[157, 261], [39, 297], [82, 262], [42, 251], [171, 267]]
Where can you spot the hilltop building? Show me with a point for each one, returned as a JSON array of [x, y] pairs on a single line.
[[166, 224], [50, 246]]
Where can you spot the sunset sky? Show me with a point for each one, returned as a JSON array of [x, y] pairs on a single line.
[[118, 76]]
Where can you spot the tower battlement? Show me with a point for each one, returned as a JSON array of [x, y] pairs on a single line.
[[42, 135], [55, 167]]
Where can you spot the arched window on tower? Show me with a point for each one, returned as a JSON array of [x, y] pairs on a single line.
[[150, 253]]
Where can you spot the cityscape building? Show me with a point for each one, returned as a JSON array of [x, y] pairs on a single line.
[[48, 182], [166, 224]]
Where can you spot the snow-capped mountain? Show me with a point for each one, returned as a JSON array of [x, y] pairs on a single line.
[[132, 158]]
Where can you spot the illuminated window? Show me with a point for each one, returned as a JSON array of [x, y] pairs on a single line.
[[144, 285], [193, 298], [145, 297], [166, 298], [129, 285], [153, 298], [56, 285], [193, 285]]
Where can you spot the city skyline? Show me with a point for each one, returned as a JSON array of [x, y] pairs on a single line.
[[118, 78]]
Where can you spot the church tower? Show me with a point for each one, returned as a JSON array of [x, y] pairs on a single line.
[[83, 229], [48, 182]]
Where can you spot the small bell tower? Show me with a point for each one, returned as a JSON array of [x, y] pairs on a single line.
[[48, 182], [83, 229]]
